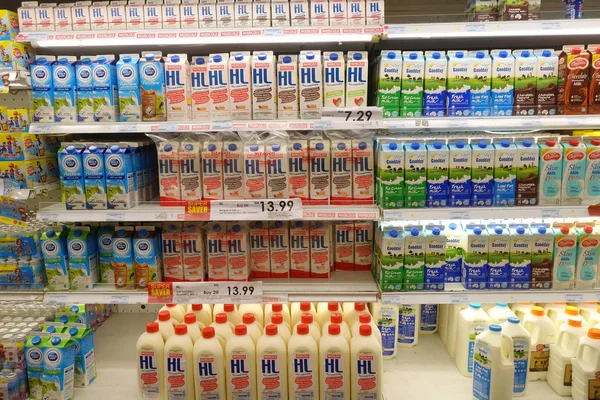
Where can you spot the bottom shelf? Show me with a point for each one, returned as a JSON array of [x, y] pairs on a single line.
[[409, 375]]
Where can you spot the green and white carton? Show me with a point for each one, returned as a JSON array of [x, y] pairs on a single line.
[[414, 258], [389, 75], [389, 173]]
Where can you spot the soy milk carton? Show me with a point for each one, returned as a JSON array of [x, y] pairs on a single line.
[[551, 173], [413, 73], [277, 170], [320, 250], [341, 171], [542, 254], [459, 84], [238, 252], [481, 84], [521, 241], [482, 175], [505, 174], [260, 265], [171, 14], [255, 168], [152, 86], [389, 85], [343, 235], [415, 175], [503, 82], [85, 90], [219, 90], [169, 173], [128, 82], [526, 65], [207, 15], [299, 164], [99, 15], [212, 170], [80, 13], [192, 242], [287, 87], [334, 83], [189, 14], [338, 12], [124, 268], [435, 259], [437, 174], [574, 167], [216, 252], [311, 85], [117, 14], [436, 75], [42, 87], [233, 170], [475, 261], [414, 258], [200, 89], [300, 244], [261, 14], [279, 244], [191, 170], [280, 13], [588, 248], [390, 175], [106, 95], [299, 13], [65, 83], [153, 18], [319, 13], [459, 174], [592, 174], [357, 76], [565, 257], [528, 157], [135, 14], [320, 172], [264, 86], [172, 248]]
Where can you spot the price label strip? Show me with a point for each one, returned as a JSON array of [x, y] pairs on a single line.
[[248, 210], [205, 292], [360, 117]]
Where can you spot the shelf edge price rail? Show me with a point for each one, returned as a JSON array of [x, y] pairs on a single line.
[[205, 292], [244, 210], [357, 117]]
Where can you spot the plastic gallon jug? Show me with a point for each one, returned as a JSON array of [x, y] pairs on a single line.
[[561, 356], [209, 366], [150, 349], [164, 325], [303, 364], [471, 322], [522, 309], [541, 329], [454, 311], [223, 328], [586, 367], [409, 316], [337, 318], [553, 310], [366, 365], [493, 365], [308, 319], [192, 327], [500, 313], [351, 316], [233, 315], [177, 312], [443, 323], [334, 364], [271, 365], [428, 324], [366, 319], [254, 329], [300, 308], [324, 315], [255, 309], [240, 365], [386, 317], [203, 313], [283, 329], [521, 348], [570, 312], [282, 309], [179, 369], [587, 310]]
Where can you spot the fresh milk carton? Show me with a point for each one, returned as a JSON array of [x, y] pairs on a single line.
[[311, 85], [243, 14], [414, 258], [363, 245], [343, 236], [338, 12], [413, 74], [80, 13], [99, 15], [153, 17], [388, 77], [357, 13], [357, 76], [58, 367], [191, 167], [320, 172], [279, 244], [482, 174], [481, 83], [172, 248], [216, 252], [177, 87], [200, 89], [225, 14], [389, 174], [189, 12], [94, 178], [319, 12], [415, 175], [261, 14], [389, 259], [436, 75], [437, 174], [547, 82], [280, 13], [499, 256], [63, 20], [287, 87], [42, 87], [219, 90], [169, 173], [542, 254], [320, 250], [83, 258], [264, 86], [85, 90], [152, 87], [521, 241], [171, 14], [56, 260], [574, 167], [212, 170], [28, 16], [525, 82], [459, 84], [128, 82], [299, 164], [65, 101], [238, 252], [192, 243], [551, 173], [106, 95], [119, 177], [299, 249], [565, 257], [363, 180], [475, 261], [233, 170], [528, 157], [592, 174], [134, 12], [341, 171], [71, 177], [459, 174], [116, 11], [334, 79], [435, 258], [255, 171], [503, 82], [375, 12], [505, 173], [105, 265], [588, 248], [277, 159], [260, 265], [207, 15], [454, 252], [299, 13]]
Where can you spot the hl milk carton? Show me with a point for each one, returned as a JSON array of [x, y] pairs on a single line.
[[498, 257], [414, 258], [528, 157], [588, 247], [311, 85], [212, 170], [99, 15], [542, 252], [592, 174], [574, 167], [152, 86], [287, 87], [172, 248], [389, 253], [28, 16], [189, 12], [521, 241], [389, 86], [389, 174], [260, 265], [216, 252], [63, 20], [475, 267], [299, 13], [264, 86], [279, 243], [80, 13], [320, 172], [171, 14], [255, 180], [319, 13], [207, 15], [169, 170], [459, 174], [233, 170], [42, 87], [503, 82], [565, 257], [261, 14], [177, 87], [83, 258], [106, 95], [117, 15], [135, 14], [435, 259], [436, 75], [547, 82], [119, 177], [334, 79], [85, 90], [338, 12], [238, 252], [71, 178], [200, 89], [356, 12], [413, 73], [481, 84], [124, 268], [146, 256], [526, 64], [225, 15], [299, 250], [94, 178], [45, 17], [437, 174], [343, 235], [277, 158], [363, 245], [190, 176], [128, 82], [551, 173], [280, 13], [243, 14], [341, 171], [482, 174], [218, 82], [65, 100], [357, 74], [415, 175], [375, 12], [505, 173], [320, 250], [192, 243], [459, 84], [299, 163], [153, 18]]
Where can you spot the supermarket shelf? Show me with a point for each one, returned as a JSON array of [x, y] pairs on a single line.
[[341, 213], [17, 80], [37, 192], [22, 295], [406, 214], [104, 294], [456, 294], [212, 36]]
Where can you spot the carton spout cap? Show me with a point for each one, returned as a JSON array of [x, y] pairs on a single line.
[[310, 55], [341, 146], [362, 145], [333, 57], [437, 145], [564, 229], [394, 233], [460, 54], [319, 146], [520, 230], [436, 56], [287, 60], [200, 61], [525, 54], [126, 59], [415, 145], [550, 143], [453, 226], [482, 144], [357, 56], [71, 149], [588, 229], [527, 143], [232, 147], [297, 146], [101, 60], [212, 147], [63, 61], [574, 142], [596, 142], [546, 53], [436, 231], [240, 57], [541, 229], [477, 231], [262, 56], [217, 58], [576, 50], [414, 232], [498, 230], [413, 56], [460, 144], [391, 55], [480, 55], [43, 60], [393, 146], [505, 143], [503, 54], [175, 59], [114, 149]]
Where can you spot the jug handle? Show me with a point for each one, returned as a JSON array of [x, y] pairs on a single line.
[[510, 346]]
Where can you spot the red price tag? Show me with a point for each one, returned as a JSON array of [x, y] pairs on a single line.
[[160, 292], [198, 210]]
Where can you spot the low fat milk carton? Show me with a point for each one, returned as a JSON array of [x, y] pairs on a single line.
[[120, 187], [200, 89], [189, 12], [71, 178], [505, 173], [574, 167], [287, 87], [212, 170], [338, 12], [191, 170], [99, 15], [526, 64], [85, 90], [588, 248], [482, 174], [216, 252], [320, 250], [389, 255], [277, 158], [152, 87], [343, 235], [63, 20], [414, 258], [592, 174], [311, 85], [565, 257], [521, 241], [177, 87], [45, 17], [481, 84], [459, 174], [264, 86], [28, 16], [80, 13], [117, 15], [437, 174], [357, 74], [363, 245], [280, 13], [542, 252], [435, 259], [106, 94], [261, 14], [415, 175], [436, 75], [299, 13], [153, 17], [243, 14], [94, 178], [300, 244], [279, 244], [375, 12], [413, 74], [389, 175], [389, 85], [528, 158], [171, 14], [299, 164], [192, 243], [319, 13], [499, 257], [233, 170], [363, 180], [135, 15], [551, 173], [357, 12], [238, 252], [172, 248], [475, 261], [503, 83], [42, 86], [547, 82], [83, 258], [123, 263], [128, 82], [320, 172], [260, 265], [334, 79], [65, 101], [219, 89], [459, 84], [341, 171], [255, 168], [169, 170], [225, 14], [146, 255], [207, 15]]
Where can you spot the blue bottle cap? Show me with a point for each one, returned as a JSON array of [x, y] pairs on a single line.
[[393, 146], [126, 59], [149, 57], [200, 61], [258, 225], [527, 143], [413, 56], [495, 328], [520, 230], [71, 149], [477, 230], [482, 144], [93, 149], [175, 58], [50, 234], [341, 146], [357, 56], [276, 147], [114, 149], [414, 232], [77, 232], [514, 320], [239, 57], [278, 224], [480, 55], [362, 145], [55, 341], [73, 331], [392, 55], [297, 146], [437, 145], [143, 233], [459, 54], [503, 54], [503, 305], [498, 230], [319, 146], [216, 228], [299, 224], [36, 340], [541, 229], [287, 59], [452, 226], [546, 53], [475, 305], [505, 143], [168, 148], [236, 228], [333, 57], [415, 145], [212, 147], [460, 144], [436, 231], [310, 55], [394, 233], [525, 54], [253, 147], [436, 56], [189, 147], [217, 58], [232, 147]]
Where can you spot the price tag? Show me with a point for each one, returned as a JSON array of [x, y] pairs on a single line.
[[550, 213], [127, 128], [391, 299], [55, 298], [48, 217], [35, 128], [273, 31], [476, 28], [115, 216], [364, 117], [574, 297], [124, 299], [395, 29], [459, 298], [240, 210], [206, 292], [420, 123], [533, 122], [459, 214]]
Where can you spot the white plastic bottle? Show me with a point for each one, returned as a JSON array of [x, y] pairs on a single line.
[[334, 364], [150, 349], [366, 365], [561, 355], [522, 309], [493, 365], [254, 329], [233, 315], [553, 310], [177, 312], [164, 325], [387, 324], [179, 369], [351, 316], [203, 313], [472, 321], [521, 346], [409, 316], [240, 365], [367, 319], [209, 366], [542, 333], [586, 367], [500, 313], [282, 309], [587, 309], [594, 318], [429, 319], [312, 325], [325, 314], [323, 305], [271, 365], [570, 312], [453, 312], [303, 364], [443, 323], [300, 308], [223, 328], [283, 329], [256, 309], [192, 327], [336, 318]]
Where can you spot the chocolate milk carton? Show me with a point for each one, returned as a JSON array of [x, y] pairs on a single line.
[[233, 173], [334, 79], [190, 175], [415, 175], [436, 75], [212, 170], [547, 82], [525, 82], [280, 13], [225, 14], [299, 164], [320, 250], [28, 16], [551, 173], [300, 243], [63, 20], [260, 265], [520, 257], [459, 174], [437, 174], [243, 14], [261, 14], [99, 15], [279, 244], [341, 171], [311, 85], [482, 174], [459, 84], [240, 86], [152, 87], [565, 256], [169, 173], [574, 167], [363, 245], [134, 12], [481, 84], [255, 182], [592, 174], [357, 76], [299, 13], [216, 252], [338, 12], [357, 13], [172, 248], [117, 15], [503, 82], [218, 83], [200, 89], [375, 12], [319, 12], [577, 80], [594, 98], [80, 13], [177, 87], [588, 249], [363, 181], [343, 236], [153, 18], [413, 73], [238, 252], [499, 256], [528, 157], [542, 253], [264, 86], [320, 172], [192, 243], [207, 14], [389, 86], [505, 173], [189, 12], [171, 14], [277, 170], [287, 87]]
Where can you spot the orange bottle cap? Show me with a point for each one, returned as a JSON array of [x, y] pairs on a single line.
[[572, 310], [594, 333], [574, 323], [539, 311]]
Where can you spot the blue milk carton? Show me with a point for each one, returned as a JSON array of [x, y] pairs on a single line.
[[58, 369], [120, 187], [34, 359], [94, 177], [54, 250], [42, 86], [505, 174], [71, 178], [482, 174], [107, 274], [152, 86], [85, 359], [521, 243], [475, 261], [138, 176], [436, 75], [498, 257], [435, 258], [85, 90], [459, 174], [128, 83], [106, 95], [459, 84], [65, 97], [503, 83], [437, 174], [83, 258], [481, 84]]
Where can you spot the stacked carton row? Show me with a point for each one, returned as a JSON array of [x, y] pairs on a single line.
[[503, 10]]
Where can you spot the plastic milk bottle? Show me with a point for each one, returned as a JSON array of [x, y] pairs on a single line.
[[493, 365], [521, 346], [542, 333], [303, 364], [179, 373], [209, 366], [561, 354], [366, 365], [150, 349], [240, 358], [334, 363], [271, 365], [472, 321]]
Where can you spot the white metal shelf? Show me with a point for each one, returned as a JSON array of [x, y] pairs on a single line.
[[18, 80], [40, 191], [22, 295]]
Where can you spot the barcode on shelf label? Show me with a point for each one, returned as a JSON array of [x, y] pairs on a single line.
[[115, 216], [391, 299], [48, 217], [476, 28], [273, 32], [459, 298], [574, 297]]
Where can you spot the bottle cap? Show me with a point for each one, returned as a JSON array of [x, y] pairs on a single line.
[[588, 229], [277, 308], [305, 306], [181, 329], [248, 318], [208, 332], [221, 318], [306, 318], [152, 327], [336, 318], [475, 305], [271, 330], [241, 330], [197, 307], [503, 305], [189, 318], [333, 306], [538, 311], [359, 306], [594, 333], [564, 229], [495, 328], [574, 323], [365, 330], [164, 315], [302, 329], [277, 319], [514, 320], [228, 307], [572, 310], [334, 329], [364, 318]]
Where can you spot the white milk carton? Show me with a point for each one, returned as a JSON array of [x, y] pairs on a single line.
[[63, 20], [216, 252], [207, 15], [356, 12], [503, 82], [171, 14], [298, 174], [192, 244], [238, 252], [134, 12], [526, 64], [260, 264], [255, 185], [45, 17], [264, 86], [80, 13], [233, 170], [459, 84], [574, 167], [277, 170], [218, 82], [551, 173], [299, 249], [99, 15], [565, 257], [280, 13], [338, 12], [357, 86], [311, 85], [153, 17], [225, 15], [200, 89], [436, 74], [243, 14], [287, 87], [261, 14], [212, 170], [28, 16], [319, 13], [299, 13], [363, 180], [363, 245], [320, 250], [240, 85], [334, 79], [279, 244], [177, 87], [320, 171], [190, 173], [189, 12], [588, 247], [343, 236], [375, 12], [169, 170], [128, 82], [106, 91], [117, 15], [341, 171], [481, 84]]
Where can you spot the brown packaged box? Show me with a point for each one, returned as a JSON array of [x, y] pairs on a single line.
[[577, 80], [594, 98]]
